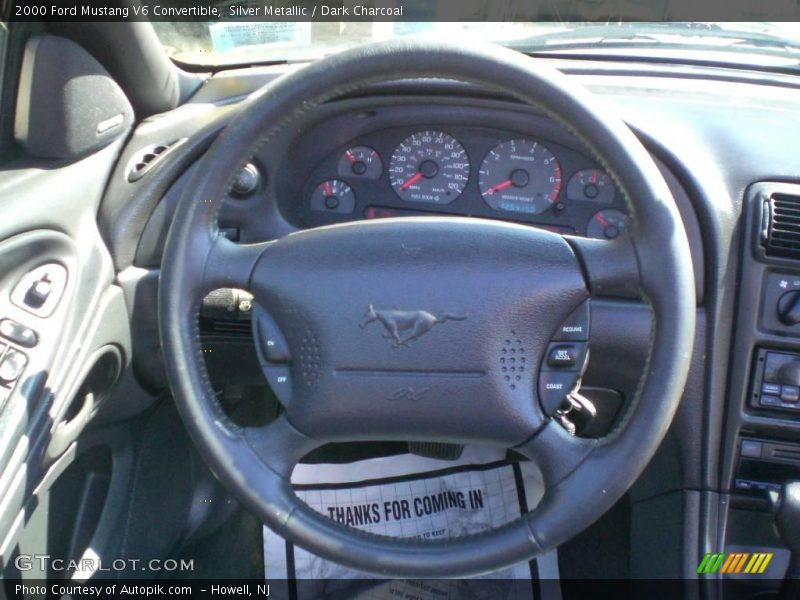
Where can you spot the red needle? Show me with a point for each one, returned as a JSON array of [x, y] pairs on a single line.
[[498, 187], [602, 220], [328, 190], [350, 157], [411, 181]]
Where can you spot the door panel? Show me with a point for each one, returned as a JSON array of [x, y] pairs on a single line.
[[48, 217], [64, 327]]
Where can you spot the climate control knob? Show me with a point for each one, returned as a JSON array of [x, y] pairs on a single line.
[[789, 308]]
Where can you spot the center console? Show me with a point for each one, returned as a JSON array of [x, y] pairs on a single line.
[[761, 445]]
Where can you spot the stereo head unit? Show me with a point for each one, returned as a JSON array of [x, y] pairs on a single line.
[[776, 382]]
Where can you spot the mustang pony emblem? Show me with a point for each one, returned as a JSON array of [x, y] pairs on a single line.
[[404, 326]]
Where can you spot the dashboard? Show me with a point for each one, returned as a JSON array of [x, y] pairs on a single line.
[[448, 160], [413, 156]]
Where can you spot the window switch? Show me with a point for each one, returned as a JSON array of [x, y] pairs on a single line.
[[18, 333], [12, 365]]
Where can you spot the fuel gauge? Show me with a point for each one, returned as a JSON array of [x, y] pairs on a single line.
[[607, 224], [360, 161], [333, 196]]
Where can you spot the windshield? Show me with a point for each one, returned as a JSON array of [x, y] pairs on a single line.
[[244, 41]]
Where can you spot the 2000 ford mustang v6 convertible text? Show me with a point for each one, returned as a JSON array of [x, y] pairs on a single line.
[[399, 308]]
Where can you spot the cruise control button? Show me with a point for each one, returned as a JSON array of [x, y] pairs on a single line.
[[554, 387], [273, 344], [279, 378], [790, 393], [576, 327], [565, 356], [18, 333], [12, 365]]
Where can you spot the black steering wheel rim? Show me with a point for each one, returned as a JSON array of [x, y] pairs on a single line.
[[586, 476]]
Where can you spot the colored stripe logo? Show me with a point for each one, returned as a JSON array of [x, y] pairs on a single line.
[[735, 562]]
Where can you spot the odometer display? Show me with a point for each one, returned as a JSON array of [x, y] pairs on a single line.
[[429, 166], [520, 176]]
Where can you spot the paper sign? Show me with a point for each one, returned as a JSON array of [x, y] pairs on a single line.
[[410, 497]]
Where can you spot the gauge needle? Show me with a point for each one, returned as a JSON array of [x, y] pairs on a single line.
[[350, 157], [602, 220], [500, 186], [327, 189], [411, 181]]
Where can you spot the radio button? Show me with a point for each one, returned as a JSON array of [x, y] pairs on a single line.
[[751, 448], [790, 393]]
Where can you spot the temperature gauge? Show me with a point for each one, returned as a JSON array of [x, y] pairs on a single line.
[[608, 224], [360, 161], [591, 185], [333, 196]]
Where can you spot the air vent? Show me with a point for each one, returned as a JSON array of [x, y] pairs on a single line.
[[780, 234], [149, 157]]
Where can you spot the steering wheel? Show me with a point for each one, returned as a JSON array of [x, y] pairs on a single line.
[[399, 329]]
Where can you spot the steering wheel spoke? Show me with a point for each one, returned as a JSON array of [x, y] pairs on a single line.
[[230, 265], [556, 452], [610, 267], [279, 445]]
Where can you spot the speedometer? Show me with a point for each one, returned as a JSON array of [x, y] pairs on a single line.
[[520, 176], [429, 166]]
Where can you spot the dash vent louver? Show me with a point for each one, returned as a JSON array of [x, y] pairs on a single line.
[[147, 158], [780, 233]]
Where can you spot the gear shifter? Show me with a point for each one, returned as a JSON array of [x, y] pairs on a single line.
[[787, 522]]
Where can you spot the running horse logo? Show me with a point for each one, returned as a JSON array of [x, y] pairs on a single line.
[[404, 326]]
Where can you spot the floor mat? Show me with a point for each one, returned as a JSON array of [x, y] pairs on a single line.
[[412, 497]]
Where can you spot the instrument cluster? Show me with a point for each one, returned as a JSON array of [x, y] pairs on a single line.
[[467, 171]]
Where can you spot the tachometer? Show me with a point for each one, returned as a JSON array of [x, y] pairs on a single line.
[[429, 166], [520, 176]]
